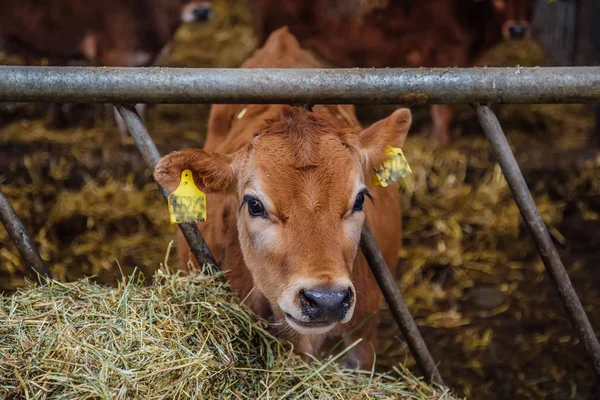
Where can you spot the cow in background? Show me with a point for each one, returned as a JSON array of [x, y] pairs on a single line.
[[398, 33], [288, 192], [129, 33], [569, 32]]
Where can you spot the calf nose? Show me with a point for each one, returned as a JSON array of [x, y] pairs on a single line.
[[322, 305], [517, 31], [202, 13]]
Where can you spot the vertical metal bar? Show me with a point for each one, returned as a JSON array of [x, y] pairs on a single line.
[[25, 246], [554, 266], [151, 156], [398, 307]]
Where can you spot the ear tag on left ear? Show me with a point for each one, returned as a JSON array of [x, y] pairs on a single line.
[[187, 203], [394, 168]]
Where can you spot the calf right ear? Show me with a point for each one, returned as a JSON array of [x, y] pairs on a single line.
[[212, 172], [390, 131]]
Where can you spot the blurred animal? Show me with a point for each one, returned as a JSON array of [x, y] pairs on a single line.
[[130, 33], [288, 192], [570, 34], [398, 33]]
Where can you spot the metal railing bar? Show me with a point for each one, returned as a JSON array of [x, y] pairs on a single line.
[[26, 247], [398, 308], [151, 156], [514, 177], [303, 86]]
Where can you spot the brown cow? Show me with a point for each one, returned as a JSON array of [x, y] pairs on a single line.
[[398, 33], [129, 33], [288, 192]]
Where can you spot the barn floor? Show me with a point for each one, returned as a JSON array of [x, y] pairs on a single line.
[[469, 270]]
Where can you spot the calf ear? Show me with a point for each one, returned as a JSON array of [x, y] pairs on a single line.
[[212, 172], [390, 131]]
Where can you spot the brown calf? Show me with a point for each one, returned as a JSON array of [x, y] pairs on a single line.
[[398, 33], [129, 33], [288, 193]]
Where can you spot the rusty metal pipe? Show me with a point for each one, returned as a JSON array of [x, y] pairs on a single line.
[[332, 86], [398, 307], [26, 247], [151, 156], [535, 224]]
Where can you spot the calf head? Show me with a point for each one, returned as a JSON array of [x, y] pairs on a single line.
[[301, 185], [516, 16]]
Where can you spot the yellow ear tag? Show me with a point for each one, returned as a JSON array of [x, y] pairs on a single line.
[[187, 203], [394, 168]]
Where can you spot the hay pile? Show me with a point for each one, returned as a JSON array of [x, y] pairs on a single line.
[[182, 337]]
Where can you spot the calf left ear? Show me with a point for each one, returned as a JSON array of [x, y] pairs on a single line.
[[390, 131], [212, 172]]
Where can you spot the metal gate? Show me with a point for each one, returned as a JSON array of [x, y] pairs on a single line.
[[475, 86]]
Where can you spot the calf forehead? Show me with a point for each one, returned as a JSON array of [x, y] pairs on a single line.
[[301, 151], [318, 174]]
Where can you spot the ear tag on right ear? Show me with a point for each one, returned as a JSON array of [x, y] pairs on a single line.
[[394, 168], [187, 203]]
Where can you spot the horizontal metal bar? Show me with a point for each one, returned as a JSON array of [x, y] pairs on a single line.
[[26, 247], [326, 86], [398, 307], [535, 223], [151, 156]]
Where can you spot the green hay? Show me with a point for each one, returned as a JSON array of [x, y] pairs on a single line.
[[182, 337]]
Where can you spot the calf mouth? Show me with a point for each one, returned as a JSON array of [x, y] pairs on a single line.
[[309, 328]]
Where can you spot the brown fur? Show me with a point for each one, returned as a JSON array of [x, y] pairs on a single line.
[[306, 162], [396, 33]]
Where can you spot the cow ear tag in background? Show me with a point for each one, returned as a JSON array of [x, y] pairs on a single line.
[[187, 203], [394, 168]]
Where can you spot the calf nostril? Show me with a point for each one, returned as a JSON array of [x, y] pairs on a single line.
[[348, 298], [306, 299]]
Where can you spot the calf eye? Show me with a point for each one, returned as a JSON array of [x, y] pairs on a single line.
[[360, 200], [255, 207]]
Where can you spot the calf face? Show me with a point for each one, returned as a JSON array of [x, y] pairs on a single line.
[[301, 186], [516, 16]]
